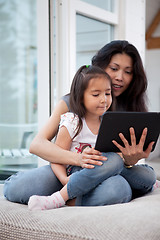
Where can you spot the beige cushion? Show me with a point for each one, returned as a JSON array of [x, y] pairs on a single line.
[[139, 219]]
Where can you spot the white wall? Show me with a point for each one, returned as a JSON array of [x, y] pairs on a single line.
[[153, 59], [152, 65], [132, 23]]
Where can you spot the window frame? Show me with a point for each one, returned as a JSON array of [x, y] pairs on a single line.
[[43, 58], [66, 55]]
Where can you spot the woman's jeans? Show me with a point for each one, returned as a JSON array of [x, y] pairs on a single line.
[[107, 184]]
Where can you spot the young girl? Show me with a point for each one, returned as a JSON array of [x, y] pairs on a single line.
[[90, 97]]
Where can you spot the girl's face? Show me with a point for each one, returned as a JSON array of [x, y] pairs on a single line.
[[120, 70], [97, 97]]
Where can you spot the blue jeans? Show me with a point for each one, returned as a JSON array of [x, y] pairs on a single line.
[[38, 181], [110, 183], [115, 189], [84, 180], [141, 179]]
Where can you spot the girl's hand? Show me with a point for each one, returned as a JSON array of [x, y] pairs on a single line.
[[134, 152], [91, 157]]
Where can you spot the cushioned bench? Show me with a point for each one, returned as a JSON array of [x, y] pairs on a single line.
[[139, 219]]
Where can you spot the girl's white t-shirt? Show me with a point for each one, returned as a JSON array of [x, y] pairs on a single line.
[[84, 138]]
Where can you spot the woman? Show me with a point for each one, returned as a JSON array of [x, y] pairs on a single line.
[[122, 62]]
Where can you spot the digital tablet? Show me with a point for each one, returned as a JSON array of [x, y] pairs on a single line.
[[114, 123]]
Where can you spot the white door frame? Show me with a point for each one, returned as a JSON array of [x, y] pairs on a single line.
[[66, 38]]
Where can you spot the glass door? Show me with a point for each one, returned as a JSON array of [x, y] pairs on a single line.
[[91, 35], [18, 81]]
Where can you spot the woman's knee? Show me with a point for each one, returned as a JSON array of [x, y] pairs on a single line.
[[140, 177], [40, 181], [148, 177], [152, 175], [12, 187]]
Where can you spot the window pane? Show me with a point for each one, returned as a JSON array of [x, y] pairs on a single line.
[[18, 81], [104, 4], [91, 36]]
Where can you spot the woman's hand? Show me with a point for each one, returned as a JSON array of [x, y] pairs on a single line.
[[134, 152], [91, 157]]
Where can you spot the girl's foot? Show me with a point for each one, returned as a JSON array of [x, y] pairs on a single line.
[[45, 202]]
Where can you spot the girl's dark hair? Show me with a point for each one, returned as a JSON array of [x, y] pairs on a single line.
[[79, 85], [133, 98]]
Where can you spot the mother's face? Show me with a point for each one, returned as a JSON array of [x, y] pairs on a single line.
[[120, 70]]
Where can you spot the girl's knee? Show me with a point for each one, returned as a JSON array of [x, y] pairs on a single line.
[[114, 161], [113, 155]]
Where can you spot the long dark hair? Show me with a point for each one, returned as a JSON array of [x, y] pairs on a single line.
[[134, 97], [79, 85]]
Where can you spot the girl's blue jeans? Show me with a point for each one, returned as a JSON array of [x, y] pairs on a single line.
[[110, 183]]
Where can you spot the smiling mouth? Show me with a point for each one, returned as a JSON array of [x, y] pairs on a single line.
[[116, 86]]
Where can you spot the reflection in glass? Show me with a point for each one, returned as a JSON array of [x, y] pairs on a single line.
[[18, 81], [90, 37]]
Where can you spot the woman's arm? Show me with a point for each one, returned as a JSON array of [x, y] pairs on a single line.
[[134, 152], [44, 148], [42, 145]]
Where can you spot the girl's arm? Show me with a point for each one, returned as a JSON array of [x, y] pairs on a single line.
[[60, 172], [64, 141], [44, 148]]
